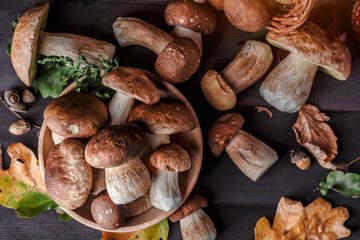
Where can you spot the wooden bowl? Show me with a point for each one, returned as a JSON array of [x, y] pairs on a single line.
[[191, 141]]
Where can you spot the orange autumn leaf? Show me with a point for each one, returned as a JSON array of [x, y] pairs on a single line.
[[293, 221], [27, 172], [315, 135]]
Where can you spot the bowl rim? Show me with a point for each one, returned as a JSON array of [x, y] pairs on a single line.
[[194, 177]]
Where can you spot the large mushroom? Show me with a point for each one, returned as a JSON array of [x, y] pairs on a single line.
[[288, 85], [177, 59], [249, 65], [191, 19], [29, 39], [161, 120], [194, 222], [250, 155]]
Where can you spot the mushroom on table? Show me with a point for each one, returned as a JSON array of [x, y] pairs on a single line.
[[177, 59], [288, 85], [29, 39], [250, 155]]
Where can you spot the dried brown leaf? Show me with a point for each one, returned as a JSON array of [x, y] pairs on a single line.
[[316, 221], [261, 109], [316, 135]]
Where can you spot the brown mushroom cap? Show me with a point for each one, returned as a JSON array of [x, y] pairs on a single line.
[[133, 83], [106, 213], [247, 15], [178, 60], [192, 204], [115, 145], [198, 17], [76, 115], [138, 206], [171, 158], [163, 118], [68, 177], [222, 131], [310, 42], [25, 39]]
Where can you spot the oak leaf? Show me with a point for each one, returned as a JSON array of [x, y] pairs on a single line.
[[157, 231], [315, 135], [293, 221]]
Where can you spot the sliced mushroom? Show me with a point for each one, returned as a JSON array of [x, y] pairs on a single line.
[[177, 59], [250, 155], [288, 85], [249, 65], [29, 39]]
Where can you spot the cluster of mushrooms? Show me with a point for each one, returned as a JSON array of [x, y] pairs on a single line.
[[122, 152]]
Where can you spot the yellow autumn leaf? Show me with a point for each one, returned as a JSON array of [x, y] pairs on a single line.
[[293, 221]]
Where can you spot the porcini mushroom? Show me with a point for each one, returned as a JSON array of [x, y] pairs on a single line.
[[117, 149], [29, 39], [249, 65], [194, 222], [162, 119], [177, 59], [191, 19], [288, 85], [76, 115], [250, 155]]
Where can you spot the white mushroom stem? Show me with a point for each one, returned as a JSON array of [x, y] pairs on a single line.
[[250, 155], [133, 31], [57, 138], [288, 85], [156, 140], [127, 182], [179, 32], [119, 108], [164, 190], [198, 225], [73, 45]]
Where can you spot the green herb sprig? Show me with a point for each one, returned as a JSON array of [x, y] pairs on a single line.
[[347, 184]]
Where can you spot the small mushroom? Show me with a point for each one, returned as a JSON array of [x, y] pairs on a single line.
[[117, 150], [191, 19], [76, 115], [68, 177], [29, 39], [12, 98], [288, 85], [249, 65], [249, 154], [194, 222], [106, 213], [177, 59]]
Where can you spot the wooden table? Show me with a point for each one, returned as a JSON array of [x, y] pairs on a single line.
[[236, 203]]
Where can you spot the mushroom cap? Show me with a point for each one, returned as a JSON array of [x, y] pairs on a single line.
[[178, 60], [138, 206], [115, 145], [106, 213], [192, 204], [310, 42], [217, 92], [171, 158], [198, 17], [223, 130], [163, 118], [247, 15], [68, 177], [133, 83], [76, 115], [25, 39]]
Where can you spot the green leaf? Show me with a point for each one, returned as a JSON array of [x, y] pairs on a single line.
[[346, 184], [8, 48], [62, 215], [260, 34], [14, 24]]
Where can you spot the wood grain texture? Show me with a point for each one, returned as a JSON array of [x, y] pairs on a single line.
[[235, 202]]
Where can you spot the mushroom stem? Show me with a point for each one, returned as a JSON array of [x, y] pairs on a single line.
[[127, 182], [179, 32], [156, 140], [164, 190], [288, 85], [133, 31], [73, 45], [119, 108], [197, 225], [250, 155]]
